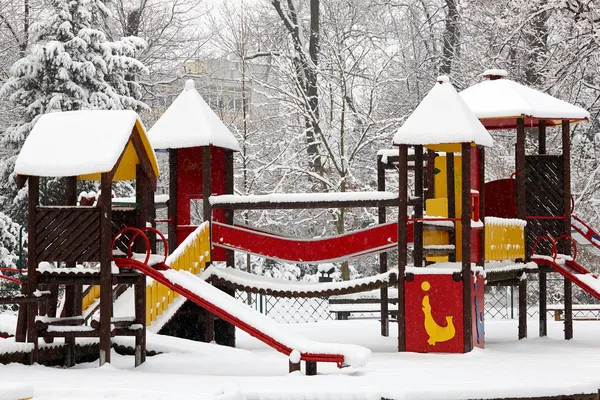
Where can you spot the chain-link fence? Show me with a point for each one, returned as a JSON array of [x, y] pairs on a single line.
[[503, 302], [287, 310], [500, 303]]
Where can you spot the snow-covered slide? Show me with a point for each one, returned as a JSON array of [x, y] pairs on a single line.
[[585, 235], [176, 274], [252, 322], [567, 265]]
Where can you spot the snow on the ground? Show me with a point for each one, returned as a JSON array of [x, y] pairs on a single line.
[[506, 367]]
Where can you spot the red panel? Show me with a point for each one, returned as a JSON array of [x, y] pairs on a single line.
[[478, 310], [475, 168], [189, 187], [511, 123], [430, 331], [500, 199], [475, 240], [370, 240]]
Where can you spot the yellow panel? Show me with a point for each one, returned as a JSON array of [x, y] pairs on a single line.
[[127, 167], [445, 148]]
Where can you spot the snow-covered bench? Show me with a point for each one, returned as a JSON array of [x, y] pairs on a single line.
[[343, 307], [585, 312]]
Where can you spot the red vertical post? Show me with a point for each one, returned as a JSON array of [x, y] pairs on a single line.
[[172, 210], [402, 239], [465, 220]]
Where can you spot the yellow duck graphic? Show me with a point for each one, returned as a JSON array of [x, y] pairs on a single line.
[[437, 333]]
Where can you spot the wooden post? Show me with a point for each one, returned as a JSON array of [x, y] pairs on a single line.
[[172, 210], [520, 165], [541, 136], [311, 368], [33, 201], [140, 318], [209, 320], [543, 284], [451, 196], [402, 238], [383, 264], [294, 367], [521, 214], [105, 267], [465, 220], [418, 208], [566, 149], [543, 287], [73, 292], [143, 195], [481, 262], [430, 174], [522, 308]]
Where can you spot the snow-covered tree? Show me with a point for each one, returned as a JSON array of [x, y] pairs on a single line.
[[73, 66], [70, 65]]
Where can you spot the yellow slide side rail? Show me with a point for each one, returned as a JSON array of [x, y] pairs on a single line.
[[90, 297], [504, 238], [191, 255]]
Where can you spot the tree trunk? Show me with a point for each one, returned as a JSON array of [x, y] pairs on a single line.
[[451, 36]]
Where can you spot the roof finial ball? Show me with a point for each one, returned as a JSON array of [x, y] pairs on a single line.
[[190, 84], [494, 74], [443, 79]]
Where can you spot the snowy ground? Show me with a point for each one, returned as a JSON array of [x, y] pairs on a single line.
[[507, 367]]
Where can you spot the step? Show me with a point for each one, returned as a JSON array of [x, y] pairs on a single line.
[[439, 250], [43, 322], [69, 331], [437, 226]]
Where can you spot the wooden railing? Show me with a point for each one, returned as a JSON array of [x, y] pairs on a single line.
[[191, 255], [504, 239]]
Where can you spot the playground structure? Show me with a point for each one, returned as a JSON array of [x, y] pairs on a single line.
[[458, 237]]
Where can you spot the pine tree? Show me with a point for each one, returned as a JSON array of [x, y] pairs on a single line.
[[71, 65], [9, 252]]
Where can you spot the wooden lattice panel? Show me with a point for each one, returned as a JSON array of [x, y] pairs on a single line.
[[67, 234], [123, 219], [544, 187]]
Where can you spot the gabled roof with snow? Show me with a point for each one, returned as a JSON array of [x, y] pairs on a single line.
[[190, 122], [502, 98], [442, 117], [85, 144]]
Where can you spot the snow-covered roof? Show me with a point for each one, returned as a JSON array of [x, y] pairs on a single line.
[[502, 98], [442, 117], [84, 144], [190, 122]]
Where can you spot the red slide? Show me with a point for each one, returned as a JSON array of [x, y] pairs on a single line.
[[567, 266], [374, 239], [252, 322], [585, 235]]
